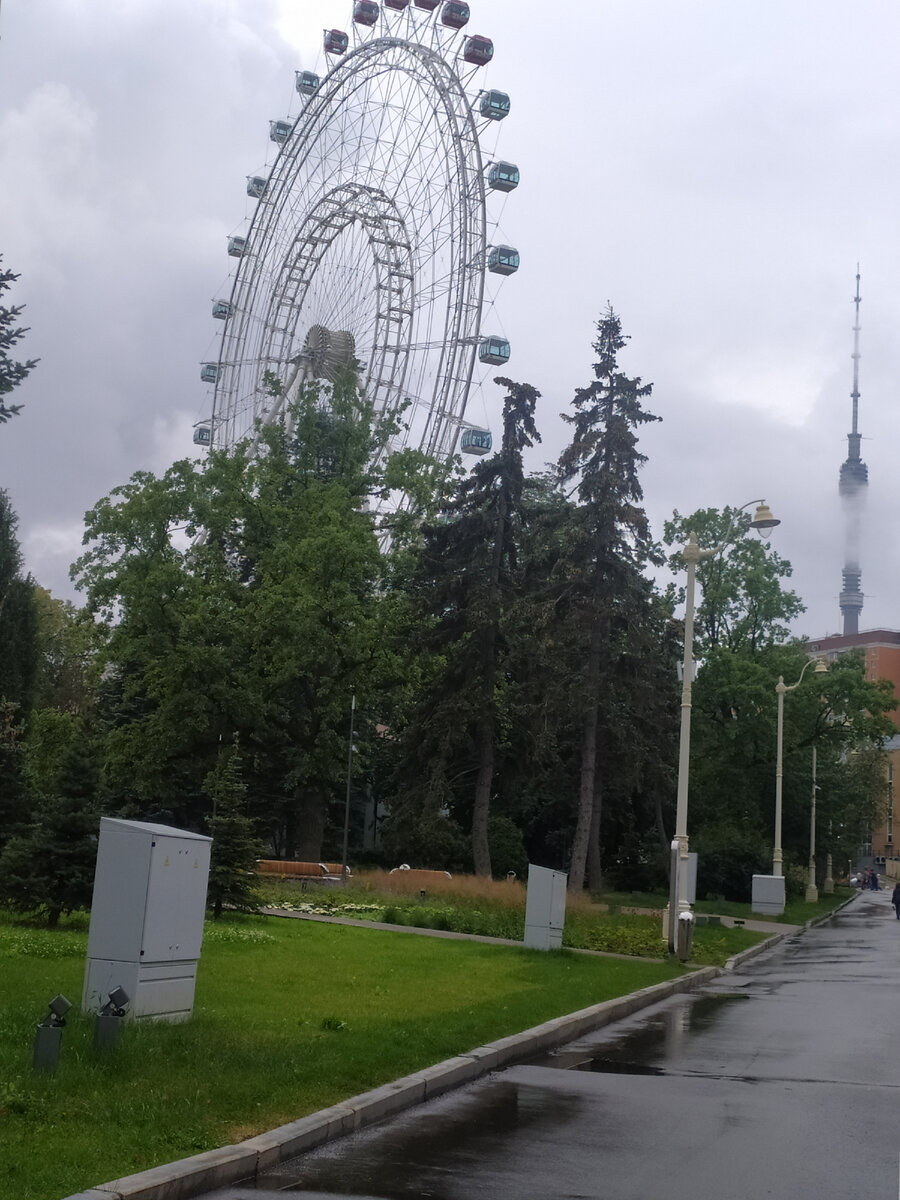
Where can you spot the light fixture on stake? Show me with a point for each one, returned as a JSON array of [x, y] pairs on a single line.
[[48, 1037], [108, 1019]]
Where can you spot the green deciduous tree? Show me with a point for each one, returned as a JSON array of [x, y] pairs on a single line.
[[842, 714], [263, 626], [744, 606]]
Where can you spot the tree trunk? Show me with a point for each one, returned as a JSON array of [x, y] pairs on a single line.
[[481, 852], [582, 837], [594, 870], [586, 790], [664, 839], [311, 820]]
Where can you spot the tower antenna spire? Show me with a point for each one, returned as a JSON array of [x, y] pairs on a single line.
[[854, 480], [854, 395]]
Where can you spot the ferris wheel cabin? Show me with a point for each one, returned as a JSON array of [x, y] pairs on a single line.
[[257, 187], [454, 14], [306, 82], [222, 310], [365, 12], [503, 260], [494, 105], [203, 436], [237, 247], [494, 350], [280, 131], [428, 5], [478, 50], [335, 41], [503, 177], [209, 372], [476, 441], [399, 5]]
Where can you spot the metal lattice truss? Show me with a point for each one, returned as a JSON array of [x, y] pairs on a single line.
[[373, 228]]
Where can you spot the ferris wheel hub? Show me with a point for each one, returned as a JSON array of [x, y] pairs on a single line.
[[328, 352]]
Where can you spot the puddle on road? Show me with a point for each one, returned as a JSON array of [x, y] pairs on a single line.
[[419, 1153], [649, 1048]]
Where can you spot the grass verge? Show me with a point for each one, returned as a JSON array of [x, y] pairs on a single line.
[[497, 909], [290, 1016]]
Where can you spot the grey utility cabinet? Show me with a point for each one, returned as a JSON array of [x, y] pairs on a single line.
[[767, 895], [545, 908], [147, 918]]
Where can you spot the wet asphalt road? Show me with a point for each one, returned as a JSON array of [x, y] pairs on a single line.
[[782, 1080]]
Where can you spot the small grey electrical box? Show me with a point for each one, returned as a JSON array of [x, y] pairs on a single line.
[[147, 918], [545, 908], [767, 895]]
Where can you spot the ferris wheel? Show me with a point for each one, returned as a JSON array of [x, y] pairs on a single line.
[[368, 242]]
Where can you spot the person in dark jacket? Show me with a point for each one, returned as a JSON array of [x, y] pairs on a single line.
[[895, 899]]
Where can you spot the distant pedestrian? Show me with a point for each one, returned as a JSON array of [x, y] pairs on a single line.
[[874, 883], [895, 899]]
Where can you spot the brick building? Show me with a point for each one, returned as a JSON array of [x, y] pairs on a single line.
[[881, 648]]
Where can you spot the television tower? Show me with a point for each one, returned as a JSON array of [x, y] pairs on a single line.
[[854, 480]]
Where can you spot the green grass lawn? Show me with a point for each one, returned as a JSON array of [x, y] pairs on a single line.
[[290, 1016]]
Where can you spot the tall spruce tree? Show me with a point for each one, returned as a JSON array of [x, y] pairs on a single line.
[[607, 550], [464, 588], [49, 867], [235, 846], [12, 373], [18, 616]]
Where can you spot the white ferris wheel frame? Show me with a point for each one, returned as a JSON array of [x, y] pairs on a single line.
[[373, 222]]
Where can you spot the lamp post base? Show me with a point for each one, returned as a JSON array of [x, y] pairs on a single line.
[[812, 894]]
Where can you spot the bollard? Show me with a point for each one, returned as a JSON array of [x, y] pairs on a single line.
[[685, 935]]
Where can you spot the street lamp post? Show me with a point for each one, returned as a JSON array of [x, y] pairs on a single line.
[[679, 907], [812, 892], [344, 874], [781, 687]]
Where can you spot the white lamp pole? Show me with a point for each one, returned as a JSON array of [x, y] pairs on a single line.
[[812, 892], [692, 554], [781, 687]]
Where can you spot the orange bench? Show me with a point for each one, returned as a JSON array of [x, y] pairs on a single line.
[[297, 870], [420, 875]]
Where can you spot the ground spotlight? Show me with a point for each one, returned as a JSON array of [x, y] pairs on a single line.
[[48, 1037], [108, 1019]]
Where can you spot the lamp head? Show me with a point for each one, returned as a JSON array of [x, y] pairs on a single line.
[[763, 520], [58, 1006], [821, 667], [115, 1005]]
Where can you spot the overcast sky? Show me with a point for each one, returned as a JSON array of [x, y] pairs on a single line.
[[714, 168]]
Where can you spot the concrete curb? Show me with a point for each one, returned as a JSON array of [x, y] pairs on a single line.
[[231, 1164]]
